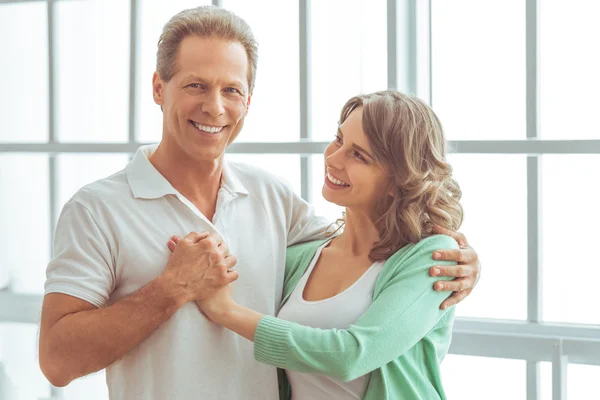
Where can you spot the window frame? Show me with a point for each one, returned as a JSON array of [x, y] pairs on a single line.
[[409, 69]]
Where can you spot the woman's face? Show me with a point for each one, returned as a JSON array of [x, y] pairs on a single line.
[[353, 178]]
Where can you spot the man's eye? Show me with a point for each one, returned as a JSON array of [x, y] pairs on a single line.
[[232, 90], [195, 85]]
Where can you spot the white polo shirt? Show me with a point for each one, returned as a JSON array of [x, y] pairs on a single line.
[[111, 239]]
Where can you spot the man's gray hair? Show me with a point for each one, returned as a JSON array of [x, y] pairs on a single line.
[[204, 22]]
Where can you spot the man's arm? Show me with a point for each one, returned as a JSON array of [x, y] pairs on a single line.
[[76, 338], [466, 273]]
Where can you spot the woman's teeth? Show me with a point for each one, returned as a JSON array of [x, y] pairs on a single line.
[[336, 181]]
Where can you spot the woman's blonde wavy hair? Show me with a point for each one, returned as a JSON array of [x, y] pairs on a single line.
[[406, 137]]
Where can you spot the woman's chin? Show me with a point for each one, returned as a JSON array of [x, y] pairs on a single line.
[[333, 197]]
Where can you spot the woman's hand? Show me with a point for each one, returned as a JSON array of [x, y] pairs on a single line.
[[466, 273], [216, 306]]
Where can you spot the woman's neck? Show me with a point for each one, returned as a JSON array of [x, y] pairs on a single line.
[[359, 234]]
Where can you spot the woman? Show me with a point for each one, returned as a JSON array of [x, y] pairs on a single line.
[[359, 317]]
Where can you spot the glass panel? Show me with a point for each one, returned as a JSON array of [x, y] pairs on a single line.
[[475, 378], [570, 270], [274, 114], [24, 213], [20, 374], [569, 79], [478, 68], [23, 72], [286, 166], [92, 67], [582, 380], [78, 170], [349, 57], [153, 15], [330, 210], [495, 222]]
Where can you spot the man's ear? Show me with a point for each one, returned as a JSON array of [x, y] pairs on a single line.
[[158, 89]]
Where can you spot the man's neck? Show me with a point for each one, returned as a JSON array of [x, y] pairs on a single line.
[[197, 181]]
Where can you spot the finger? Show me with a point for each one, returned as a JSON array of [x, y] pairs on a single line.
[[454, 299], [224, 249], [229, 262], [171, 245], [456, 285], [217, 239], [195, 237], [453, 271], [231, 276], [463, 256], [459, 237], [175, 239]]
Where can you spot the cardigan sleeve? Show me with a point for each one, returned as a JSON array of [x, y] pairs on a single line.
[[404, 310]]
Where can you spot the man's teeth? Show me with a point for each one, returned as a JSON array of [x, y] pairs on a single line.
[[208, 129], [336, 181]]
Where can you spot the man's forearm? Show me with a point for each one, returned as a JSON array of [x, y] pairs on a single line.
[[88, 341]]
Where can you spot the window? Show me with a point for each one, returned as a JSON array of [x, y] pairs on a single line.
[[513, 82]]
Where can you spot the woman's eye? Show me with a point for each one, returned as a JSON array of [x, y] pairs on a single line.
[[359, 156], [338, 139]]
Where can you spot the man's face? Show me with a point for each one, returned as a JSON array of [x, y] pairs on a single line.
[[206, 100]]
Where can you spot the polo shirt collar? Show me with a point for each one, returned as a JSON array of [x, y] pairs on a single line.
[[147, 183]]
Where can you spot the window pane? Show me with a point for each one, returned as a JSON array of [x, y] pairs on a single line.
[[349, 57], [286, 166], [475, 378], [274, 114], [569, 69], [78, 170], [92, 67], [478, 68], [570, 272], [153, 15], [23, 72], [20, 374], [330, 210], [582, 380], [24, 213], [495, 223]]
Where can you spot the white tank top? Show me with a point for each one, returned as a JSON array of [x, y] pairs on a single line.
[[339, 312]]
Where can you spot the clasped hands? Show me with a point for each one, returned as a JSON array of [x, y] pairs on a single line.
[[202, 266]]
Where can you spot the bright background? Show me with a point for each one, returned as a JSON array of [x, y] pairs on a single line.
[[76, 101]]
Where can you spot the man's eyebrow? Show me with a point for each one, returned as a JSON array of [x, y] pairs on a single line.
[[194, 77], [356, 146]]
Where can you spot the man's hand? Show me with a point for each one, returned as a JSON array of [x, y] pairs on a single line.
[[221, 300], [199, 265], [466, 273]]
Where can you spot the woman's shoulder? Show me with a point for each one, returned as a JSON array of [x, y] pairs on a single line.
[[421, 252]]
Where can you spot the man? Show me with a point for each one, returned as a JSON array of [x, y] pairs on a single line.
[[110, 301]]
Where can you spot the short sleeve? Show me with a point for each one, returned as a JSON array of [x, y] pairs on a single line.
[[83, 265]]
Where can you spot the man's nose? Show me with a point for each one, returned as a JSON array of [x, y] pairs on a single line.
[[213, 104]]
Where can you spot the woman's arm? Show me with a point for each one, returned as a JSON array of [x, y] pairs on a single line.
[[406, 309]]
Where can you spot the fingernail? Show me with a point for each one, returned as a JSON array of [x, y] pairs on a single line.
[[436, 254], [440, 286], [443, 307], [436, 271]]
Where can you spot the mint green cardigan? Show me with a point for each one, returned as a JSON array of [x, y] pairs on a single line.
[[400, 340]]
